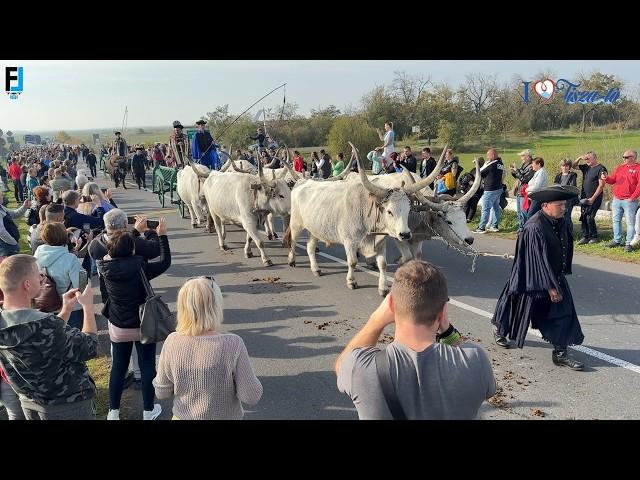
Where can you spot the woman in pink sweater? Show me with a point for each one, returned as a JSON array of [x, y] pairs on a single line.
[[208, 372]]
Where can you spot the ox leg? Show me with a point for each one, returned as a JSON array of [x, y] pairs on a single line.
[[286, 221], [247, 247], [271, 227], [192, 214], [406, 252], [217, 221], [252, 230], [381, 261], [268, 226], [210, 223], [352, 261], [416, 249], [295, 233], [311, 251]]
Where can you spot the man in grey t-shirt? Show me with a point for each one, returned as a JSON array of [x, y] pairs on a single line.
[[436, 376]]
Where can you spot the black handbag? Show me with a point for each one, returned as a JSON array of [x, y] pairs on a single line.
[[156, 320]]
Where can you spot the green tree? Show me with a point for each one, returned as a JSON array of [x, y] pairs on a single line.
[[450, 133], [354, 130], [62, 137]]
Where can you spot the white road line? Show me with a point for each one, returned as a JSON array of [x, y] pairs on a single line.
[[580, 348], [470, 308]]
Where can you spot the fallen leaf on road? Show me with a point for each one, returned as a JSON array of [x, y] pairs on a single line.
[[537, 412]]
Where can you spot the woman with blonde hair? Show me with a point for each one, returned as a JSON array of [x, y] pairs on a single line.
[[208, 372]]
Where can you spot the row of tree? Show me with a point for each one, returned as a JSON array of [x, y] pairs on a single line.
[[480, 107]]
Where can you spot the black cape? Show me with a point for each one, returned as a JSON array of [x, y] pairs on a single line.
[[544, 252]]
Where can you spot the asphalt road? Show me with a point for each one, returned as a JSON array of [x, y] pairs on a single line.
[[294, 327], [295, 324]]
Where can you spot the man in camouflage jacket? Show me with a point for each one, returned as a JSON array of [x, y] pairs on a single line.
[[42, 357]]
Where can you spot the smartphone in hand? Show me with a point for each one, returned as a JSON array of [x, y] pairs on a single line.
[[152, 223], [83, 280]]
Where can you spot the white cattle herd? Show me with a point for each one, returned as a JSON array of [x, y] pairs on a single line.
[[355, 210]]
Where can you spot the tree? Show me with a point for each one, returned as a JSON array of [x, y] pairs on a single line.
[[331, 112], [354, 130], [450, 133], [479, 92], [62, 137], [601, 83]]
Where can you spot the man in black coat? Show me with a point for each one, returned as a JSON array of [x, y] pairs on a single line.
[[91, 163], [138, 165], [408, 160], [537, 292]]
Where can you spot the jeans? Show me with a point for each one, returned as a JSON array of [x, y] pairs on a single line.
[[522, 215], [76, 319], [82, 410], [629, 208], [588, 219], [121, 356], [92, 167], [18, 191], [490, 201], [534, 208], [11, 401], [7, 250]]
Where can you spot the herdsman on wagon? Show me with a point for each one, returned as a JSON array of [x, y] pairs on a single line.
[[204, 149], [179, 146]]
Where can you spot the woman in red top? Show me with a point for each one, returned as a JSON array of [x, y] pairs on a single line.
[[298, 162], [15, 171]]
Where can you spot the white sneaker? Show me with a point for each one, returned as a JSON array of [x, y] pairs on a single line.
[[492, 229], [635, 242], [152, 414], [113, 415]]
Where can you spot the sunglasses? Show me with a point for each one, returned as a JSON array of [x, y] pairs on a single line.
[[208, 277]]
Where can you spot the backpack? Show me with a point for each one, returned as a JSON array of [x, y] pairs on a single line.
[[48, 300], [32, 217], [450, 181]]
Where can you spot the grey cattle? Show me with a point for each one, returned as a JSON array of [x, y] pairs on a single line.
[[347, 213]]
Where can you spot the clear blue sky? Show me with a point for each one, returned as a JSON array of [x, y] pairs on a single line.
[[69, 95]]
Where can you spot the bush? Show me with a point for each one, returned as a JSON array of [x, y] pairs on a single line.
[[354, 130], [450, 134]]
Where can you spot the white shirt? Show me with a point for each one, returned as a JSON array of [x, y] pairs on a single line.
[[538, 181]]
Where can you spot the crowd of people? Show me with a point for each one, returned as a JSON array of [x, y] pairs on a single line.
[[48, 327]]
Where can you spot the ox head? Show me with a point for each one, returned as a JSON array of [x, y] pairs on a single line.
[[273, 195], [393, 205], [450, 220]]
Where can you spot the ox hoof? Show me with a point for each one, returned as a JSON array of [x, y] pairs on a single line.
[[292, 264], [383, 293], [224, 247], [352, 286], [248, 254], [270, 237], [317, 273], [268, 263], [275, 235]]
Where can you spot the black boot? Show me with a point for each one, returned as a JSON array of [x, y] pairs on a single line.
[[561, 358], [500, 340]]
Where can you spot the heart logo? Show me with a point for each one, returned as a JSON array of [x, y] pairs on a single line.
[[545, 88]]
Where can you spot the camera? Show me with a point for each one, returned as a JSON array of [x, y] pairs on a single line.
[[150, 223]]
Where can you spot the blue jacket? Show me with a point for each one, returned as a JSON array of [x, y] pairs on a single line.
[[74, 219], [211, 159], [63, 267]]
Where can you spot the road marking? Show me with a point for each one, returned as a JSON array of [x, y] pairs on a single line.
[[470, 308], [580, 348]]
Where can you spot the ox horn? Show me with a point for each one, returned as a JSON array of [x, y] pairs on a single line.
[[198, 172], [421, 198], [263, 180], [292, 172], [474, 188], [226, 165], [377, 191], [429, 178], [236, 168]]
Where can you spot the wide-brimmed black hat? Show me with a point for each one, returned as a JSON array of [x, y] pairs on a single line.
[[201, 122], [117, 133], [554, 193], [177, 124], [139, 148]]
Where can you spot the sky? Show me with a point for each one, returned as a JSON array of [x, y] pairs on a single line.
[[80, 95]]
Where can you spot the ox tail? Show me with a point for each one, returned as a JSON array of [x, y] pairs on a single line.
[[286, 241]]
